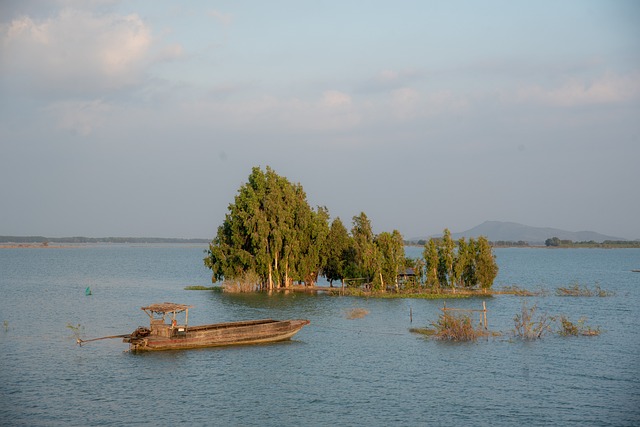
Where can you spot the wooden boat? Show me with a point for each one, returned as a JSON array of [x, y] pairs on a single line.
[[165, 333]]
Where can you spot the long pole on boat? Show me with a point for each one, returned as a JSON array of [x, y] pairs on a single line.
[[80, 341]]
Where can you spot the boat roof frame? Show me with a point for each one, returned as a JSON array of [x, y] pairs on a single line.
[[166, 307]]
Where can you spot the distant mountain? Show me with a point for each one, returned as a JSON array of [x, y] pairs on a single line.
[[511, 231], [514, 232]]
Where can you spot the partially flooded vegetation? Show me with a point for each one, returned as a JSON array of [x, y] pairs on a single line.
[[457, 327], [272, 239], [203, 288], [529, 324], [568, 328], [577, 290]]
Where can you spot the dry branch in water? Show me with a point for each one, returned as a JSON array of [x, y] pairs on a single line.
[[528, 327]]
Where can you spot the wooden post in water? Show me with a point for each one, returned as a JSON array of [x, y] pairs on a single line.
[[410, 315], [484, 310]]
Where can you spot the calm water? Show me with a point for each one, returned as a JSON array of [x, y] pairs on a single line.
[[368, 371]]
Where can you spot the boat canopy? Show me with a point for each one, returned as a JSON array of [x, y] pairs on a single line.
[[166, 307]]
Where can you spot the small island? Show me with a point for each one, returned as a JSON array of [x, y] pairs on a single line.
[[272, 239]]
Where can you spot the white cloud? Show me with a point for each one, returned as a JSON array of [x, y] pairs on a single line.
[[76, 51], [608, 89]]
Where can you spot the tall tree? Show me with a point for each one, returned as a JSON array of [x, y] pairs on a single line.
[[446, 255], [460, 262], [469, 277], [366, 251], [271, 231], [313, 230], [486, 266], [391, 249], [336, 252], [432, 263]]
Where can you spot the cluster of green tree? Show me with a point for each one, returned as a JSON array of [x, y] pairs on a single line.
[[271, 235], [272, 238], [362, 257], [42, 239], [556, 242], [462, 263]]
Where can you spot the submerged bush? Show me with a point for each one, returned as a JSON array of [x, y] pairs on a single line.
[[568, 328], [457, 328], [528, 327], [247, 282], [516, 290]]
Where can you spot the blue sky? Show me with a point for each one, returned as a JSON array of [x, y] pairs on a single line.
[[143, 118]]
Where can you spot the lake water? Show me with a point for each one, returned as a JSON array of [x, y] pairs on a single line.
[[370, 371]]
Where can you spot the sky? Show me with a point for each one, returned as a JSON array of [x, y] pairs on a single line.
[[144, 118]]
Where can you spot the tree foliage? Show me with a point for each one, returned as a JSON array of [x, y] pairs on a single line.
[[466, 264], [392, 259], [367, 255], [432, 263], [270, 230], [272, 236], [338, 254]]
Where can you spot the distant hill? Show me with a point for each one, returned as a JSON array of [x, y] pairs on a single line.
[[514, 232]]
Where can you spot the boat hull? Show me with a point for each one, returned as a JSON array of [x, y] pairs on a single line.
[[220, 334]]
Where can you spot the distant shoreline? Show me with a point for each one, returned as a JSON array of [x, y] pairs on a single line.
[[35, 246], [41, 241], [41, 245]]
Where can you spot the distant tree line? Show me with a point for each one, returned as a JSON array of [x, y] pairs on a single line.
[[494, 243], [557, 242], [509, 243], [272, 238], [42, 239]]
